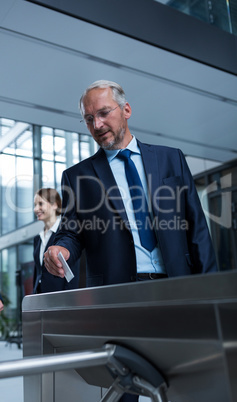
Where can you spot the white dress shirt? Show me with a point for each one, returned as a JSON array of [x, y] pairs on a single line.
[[45, 238]]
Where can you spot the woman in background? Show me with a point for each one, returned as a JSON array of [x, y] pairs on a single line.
[[47, 207], [1, 303]]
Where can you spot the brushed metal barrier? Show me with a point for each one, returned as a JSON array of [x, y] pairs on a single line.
[[185, 326]]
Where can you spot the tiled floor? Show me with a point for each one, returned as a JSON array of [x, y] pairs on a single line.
[[11, 389]]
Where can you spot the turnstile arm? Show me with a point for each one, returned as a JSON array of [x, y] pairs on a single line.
[[131, 372]]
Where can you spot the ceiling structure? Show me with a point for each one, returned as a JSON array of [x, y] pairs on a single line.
[[48, 59]]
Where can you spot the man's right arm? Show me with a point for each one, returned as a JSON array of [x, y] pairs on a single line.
[[51, 261]]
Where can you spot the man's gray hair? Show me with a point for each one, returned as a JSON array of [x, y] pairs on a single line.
[[117, 90]]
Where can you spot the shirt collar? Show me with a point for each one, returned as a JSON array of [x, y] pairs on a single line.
[[132, 146], [53, 229]]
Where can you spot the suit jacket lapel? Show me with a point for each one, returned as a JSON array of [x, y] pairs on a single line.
[[37, 243], [104, 173]]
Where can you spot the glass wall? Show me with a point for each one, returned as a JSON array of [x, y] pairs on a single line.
[[16, 178], [218, 194], [220, 13], [35, 158]]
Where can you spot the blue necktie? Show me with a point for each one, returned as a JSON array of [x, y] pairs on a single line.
[[146, 233]]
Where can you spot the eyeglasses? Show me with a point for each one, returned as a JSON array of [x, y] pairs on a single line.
[[101, 115]]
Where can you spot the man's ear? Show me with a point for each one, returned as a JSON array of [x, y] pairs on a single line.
[[127, 110]]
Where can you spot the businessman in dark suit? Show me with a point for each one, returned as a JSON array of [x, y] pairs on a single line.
[[99, 210]]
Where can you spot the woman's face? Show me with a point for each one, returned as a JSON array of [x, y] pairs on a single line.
[[43, 209]]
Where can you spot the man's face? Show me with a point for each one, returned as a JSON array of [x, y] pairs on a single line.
[[110, 131]]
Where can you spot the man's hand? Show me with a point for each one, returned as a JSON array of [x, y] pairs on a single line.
[[1, 305], [51, 261]]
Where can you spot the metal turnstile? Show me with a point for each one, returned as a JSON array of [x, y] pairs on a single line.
[[131, 372], [184, 328]]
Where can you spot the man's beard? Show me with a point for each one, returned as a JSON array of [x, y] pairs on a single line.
[[115, 142]]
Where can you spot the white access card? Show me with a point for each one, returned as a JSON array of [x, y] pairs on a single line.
[[67, 270]]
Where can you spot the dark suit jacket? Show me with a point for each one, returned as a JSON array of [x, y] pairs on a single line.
[[91, 200], [51, 283]]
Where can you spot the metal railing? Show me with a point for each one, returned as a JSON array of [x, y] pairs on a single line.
[[46, 364]]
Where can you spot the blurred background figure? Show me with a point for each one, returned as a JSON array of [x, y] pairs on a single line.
[[1, 303], [47, 208]]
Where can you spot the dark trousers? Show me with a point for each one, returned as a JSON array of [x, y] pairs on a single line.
[[129, 398]]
